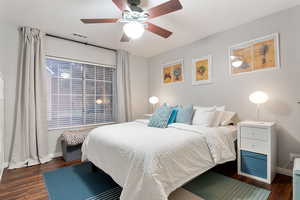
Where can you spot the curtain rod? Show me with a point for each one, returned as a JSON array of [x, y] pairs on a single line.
[[85, 43]]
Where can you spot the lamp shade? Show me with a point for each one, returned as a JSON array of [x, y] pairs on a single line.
[[258, 97], [153, 100]]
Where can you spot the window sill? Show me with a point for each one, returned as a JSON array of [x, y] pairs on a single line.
[[80, 127]]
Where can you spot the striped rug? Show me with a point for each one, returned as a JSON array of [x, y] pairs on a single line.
[[80, 183]]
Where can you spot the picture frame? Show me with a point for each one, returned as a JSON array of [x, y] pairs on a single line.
[[260, 54], [172, 72], [202, 70]]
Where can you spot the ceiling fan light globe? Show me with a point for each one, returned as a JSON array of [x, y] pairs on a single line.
[[134, 30]]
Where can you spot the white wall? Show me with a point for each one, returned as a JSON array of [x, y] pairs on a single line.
[[281, 85]]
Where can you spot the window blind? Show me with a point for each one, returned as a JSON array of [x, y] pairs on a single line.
[[79, 94]]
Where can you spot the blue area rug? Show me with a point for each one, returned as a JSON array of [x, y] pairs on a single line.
[[79, 182], [214, 186]]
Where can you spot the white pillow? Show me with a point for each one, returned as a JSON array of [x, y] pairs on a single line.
[[227, 118], [218, 114], [204, 117], [218, 118], [218, 108]]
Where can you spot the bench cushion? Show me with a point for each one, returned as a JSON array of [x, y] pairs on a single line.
[[75, 137]]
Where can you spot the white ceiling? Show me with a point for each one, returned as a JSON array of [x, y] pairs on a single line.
[[197, 19]]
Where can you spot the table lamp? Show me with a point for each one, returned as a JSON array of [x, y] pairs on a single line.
[[153, 100], [258, 98]]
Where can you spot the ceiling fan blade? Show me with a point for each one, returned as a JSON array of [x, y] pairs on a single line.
[[165, 8], [95, 21], [121, 4], [125, 38], [158, 30]]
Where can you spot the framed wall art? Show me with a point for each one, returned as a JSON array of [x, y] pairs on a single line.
[[172, 72], [202, 70], [255, 55]]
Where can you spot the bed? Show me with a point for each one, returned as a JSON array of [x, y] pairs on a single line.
[[150, 163]]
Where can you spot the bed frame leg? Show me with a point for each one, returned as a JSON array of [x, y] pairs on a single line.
[[94, 168]]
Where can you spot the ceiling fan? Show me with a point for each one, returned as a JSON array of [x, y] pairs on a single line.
[[136, 19]]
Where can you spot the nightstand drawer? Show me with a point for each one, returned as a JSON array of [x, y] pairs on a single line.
[[254, 164], [254, 133], [254, 145]]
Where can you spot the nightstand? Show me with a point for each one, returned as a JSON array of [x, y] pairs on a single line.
[[257, 150]]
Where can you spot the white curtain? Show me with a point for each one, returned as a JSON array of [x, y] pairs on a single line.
[[30, 139], [124, 110]]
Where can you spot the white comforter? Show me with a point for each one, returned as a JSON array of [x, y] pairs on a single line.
[[150, 163]]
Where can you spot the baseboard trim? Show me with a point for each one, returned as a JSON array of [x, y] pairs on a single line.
[[284, 171]]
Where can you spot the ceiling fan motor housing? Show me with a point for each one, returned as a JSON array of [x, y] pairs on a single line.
[[136, 16], [134, 2]]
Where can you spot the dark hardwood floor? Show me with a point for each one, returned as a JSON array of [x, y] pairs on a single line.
[[27, 183]]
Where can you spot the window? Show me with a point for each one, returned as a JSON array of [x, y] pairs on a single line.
[[79, 94]]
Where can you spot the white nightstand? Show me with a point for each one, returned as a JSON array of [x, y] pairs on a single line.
[[257, 150]]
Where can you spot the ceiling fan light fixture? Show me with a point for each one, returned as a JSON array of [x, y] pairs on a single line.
[[134, 30]]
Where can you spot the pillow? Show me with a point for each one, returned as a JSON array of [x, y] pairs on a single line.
[[185, 114], [173, 115], [218, 114], [227, 118], [200, 108], [204, 117], [218, 118], [218, 108], [160, 117]]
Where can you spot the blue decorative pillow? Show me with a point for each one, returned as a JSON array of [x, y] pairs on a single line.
[[185, 114], [160, 117], [173, 115]]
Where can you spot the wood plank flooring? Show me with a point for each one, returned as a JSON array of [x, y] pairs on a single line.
[[28, 184]]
